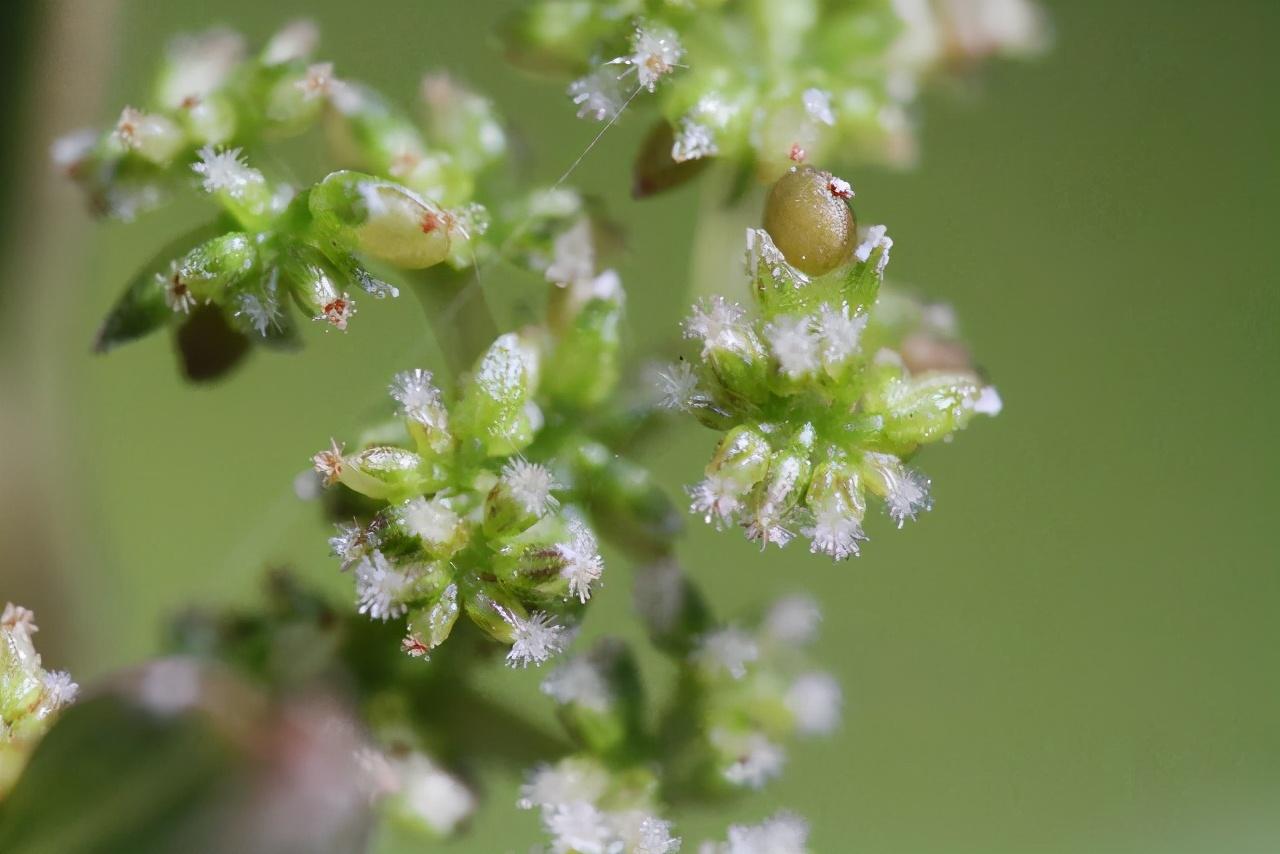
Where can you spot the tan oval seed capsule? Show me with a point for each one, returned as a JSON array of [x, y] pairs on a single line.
[[809, 220]]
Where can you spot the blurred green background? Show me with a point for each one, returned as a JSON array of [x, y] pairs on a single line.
[[1077, 651]]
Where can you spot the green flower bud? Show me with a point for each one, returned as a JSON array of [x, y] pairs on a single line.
[[431, 625], [519, 498], [777, 496], [736, 360], [741, 461], [316, 286], [923, 409], [381, 219], [493, 409], [380, 472], [558, 558], [239, 188], [150, 136], [208, 270], [211, 120], [462, 122], [584, 365], [836, 500], [809, 220], [600, 699]]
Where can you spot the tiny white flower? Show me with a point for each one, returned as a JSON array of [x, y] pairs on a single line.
[[295, 40], [432, 794], [765, 529], [793, 619], [59, 689], [224, 171], [840, 334], [578, 827], [794, 345], [259, 311], [814, 700], [783, 833], [758, 760], [716, 498], [568, 781], [318, 82], [579, 680], [653, 836], [351, 544], [18, 619], [69, 151], [531, 485], [598, 95], [431, 520], [988, 402], [583, 564], [693, 141], [817, 103], [574, 255], [655, 52], [718, 323], [130, 127], [329, 463], [729, 650], [835, 531], [874, 237], [419, 398], [177, 296], [380, 587], [677, 386], [904, 490], [535, 638]]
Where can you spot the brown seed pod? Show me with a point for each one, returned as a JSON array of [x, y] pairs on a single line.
[[810, 221]]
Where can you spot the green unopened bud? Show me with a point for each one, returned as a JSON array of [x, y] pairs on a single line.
[[583, 368], [558, 558], [810, 221], [431, 625], [211, 120], [151, 136], [600, 698], [743, 456], [436, 523], [463, 122], [317, 287], [493, 410], [30, 696], [383, 472], [195, 66], [780, 492], [291, 104], [731, 349], [242, 190], [211, 267], [519, 498], [923, 409], [382, 219], [837, 503]]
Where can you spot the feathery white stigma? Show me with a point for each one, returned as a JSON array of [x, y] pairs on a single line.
[[677, 386], [835, 532], [794, 345], [814, 700], [260, 312], [783, 833], [225, 171], [350, 544], [431, 520], [380, 586], [579, 827], [655, 51], [598, 95], [693, 142], [531, 485], [582, 561], [59, 689], [730, 650], [567, 781], [653, 836], [716, 498], [535, 638], [418, 397], [904, 490], [719, 324], [840, 333]]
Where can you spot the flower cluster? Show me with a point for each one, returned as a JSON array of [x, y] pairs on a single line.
[[757, 690], [30, 696], [588, 808], [783, 833], [826, 392], [772, 82], [415, 203]]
